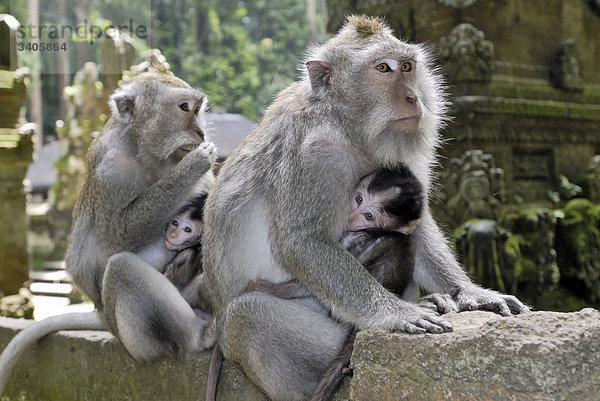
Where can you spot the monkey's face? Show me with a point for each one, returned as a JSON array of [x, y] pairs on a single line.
[[393, 79], [183, 232], [370, 208], [176, 120], [367, 208]]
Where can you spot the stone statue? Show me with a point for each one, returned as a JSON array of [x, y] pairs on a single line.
[[472, 187], [466, 55]]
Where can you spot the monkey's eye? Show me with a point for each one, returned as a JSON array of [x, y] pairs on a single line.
[[369, 216], [187, 230], [406, 66], [196, 111], [383, 67], [185, 106], [358, 199], [175, 223]]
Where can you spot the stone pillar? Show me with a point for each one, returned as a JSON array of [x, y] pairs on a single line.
[[16, 150]]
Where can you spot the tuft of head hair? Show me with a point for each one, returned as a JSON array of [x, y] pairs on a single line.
[[164, 76], [409, 199], [196, 205], [366, 25]]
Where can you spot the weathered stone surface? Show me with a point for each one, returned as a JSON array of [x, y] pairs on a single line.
[[540, 356], [93, 365]]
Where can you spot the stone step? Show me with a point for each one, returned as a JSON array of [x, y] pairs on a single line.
[[50, 276], [53, 289]]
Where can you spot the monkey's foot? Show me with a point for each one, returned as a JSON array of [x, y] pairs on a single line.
[[441, 303], [473, 297]]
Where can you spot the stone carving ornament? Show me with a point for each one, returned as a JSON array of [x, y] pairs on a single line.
[[472, 187], [466, 55], [566, 71]]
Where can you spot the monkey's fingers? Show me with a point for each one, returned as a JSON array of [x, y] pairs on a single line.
[[480, 298], [467, 304], [442, 303], [410, 328], [426, 323], [516, 306], [445, 326]]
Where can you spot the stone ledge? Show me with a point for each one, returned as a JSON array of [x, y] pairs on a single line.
[[540, 356], [93, 365]]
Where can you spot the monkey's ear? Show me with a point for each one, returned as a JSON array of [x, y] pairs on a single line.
[[124, 104], [319, 73]]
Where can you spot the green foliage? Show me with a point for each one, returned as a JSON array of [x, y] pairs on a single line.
[[239, 53], [578, 248]]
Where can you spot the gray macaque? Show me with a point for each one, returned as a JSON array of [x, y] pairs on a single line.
[[366, 101], [150, 159]]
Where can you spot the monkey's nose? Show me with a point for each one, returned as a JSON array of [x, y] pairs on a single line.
[[200, 133], [411, 97]]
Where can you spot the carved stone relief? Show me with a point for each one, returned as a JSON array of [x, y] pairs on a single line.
[[466, 55]]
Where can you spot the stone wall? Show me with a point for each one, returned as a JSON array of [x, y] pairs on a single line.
[[540, 356], [16, 150]]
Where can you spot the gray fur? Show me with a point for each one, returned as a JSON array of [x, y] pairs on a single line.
[[281, 202]]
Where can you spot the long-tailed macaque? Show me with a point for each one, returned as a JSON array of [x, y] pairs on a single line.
[[366, 101], [149, 160]]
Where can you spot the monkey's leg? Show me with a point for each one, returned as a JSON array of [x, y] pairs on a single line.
[[146, 312], [283, 346], [334, 375]]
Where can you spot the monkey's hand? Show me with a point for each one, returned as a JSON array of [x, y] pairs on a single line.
[[414, 319], [200, 159], [472, 297]]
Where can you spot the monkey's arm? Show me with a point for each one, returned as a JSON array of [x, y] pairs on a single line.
[[182, 268], [437, 270], [309, 247], [149, 211]]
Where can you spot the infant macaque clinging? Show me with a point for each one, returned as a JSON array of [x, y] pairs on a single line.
[[183, 235]]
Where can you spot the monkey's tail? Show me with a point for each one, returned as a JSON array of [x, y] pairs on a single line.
[[31, 334], [333, 376], [214, 370]]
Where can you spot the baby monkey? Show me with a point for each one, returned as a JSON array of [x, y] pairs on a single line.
[[183, 235], [386, 208]]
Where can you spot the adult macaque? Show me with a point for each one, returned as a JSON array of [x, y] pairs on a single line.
[[149, 160], [281, 203]]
